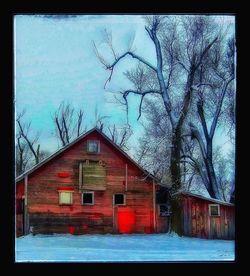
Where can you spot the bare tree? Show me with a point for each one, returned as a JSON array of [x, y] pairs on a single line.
[[182, 45], [27, 146], [22, 155], [68, 123], [192, 166], [218, 73], [180, 48], [119, 136], [100, 120], [24, 133], [153, 151]]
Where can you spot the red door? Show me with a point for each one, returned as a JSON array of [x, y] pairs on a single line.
[[126, 220]]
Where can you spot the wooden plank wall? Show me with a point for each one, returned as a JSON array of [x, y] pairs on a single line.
[[47, 216], [198, 223], [19, 211]]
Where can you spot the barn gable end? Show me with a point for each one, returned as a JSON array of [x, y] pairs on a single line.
[[73, 175]]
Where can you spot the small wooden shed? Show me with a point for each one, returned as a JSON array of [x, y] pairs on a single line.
[[204, 217]]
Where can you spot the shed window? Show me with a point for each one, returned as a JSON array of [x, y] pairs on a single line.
[[88, 198], [214, 210], [93, 146], [65, 197], [119, 199]]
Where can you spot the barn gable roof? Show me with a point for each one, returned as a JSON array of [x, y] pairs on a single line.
[[205, 198], [52, 156]]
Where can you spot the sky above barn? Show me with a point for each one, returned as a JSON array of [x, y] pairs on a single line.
[[55, 61]]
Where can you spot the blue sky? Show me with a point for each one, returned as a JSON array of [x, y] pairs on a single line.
[[55, 61]]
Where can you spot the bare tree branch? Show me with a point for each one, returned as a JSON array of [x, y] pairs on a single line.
[[202, 118], [60, 131], [141, 59], [79, 122], [30, 143], [196, 134], [65, 128], [119, 136], [68, 123], [218, 109]]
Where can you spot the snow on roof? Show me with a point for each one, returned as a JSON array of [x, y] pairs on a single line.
[[204, 198]]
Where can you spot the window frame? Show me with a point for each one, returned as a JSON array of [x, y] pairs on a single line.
[[71, 197], [214, 205], [167, 207], [98, 146], [93, 198], [124, 199]]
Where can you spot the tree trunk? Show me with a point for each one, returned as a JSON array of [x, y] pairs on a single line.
[[19, 166], [207, 156], [232, 197], [213, 189], [175, 161], [176, 216]]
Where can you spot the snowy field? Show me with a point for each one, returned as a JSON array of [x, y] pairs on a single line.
[[121, 248]]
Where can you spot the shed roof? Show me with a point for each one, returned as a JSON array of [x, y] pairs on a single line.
[[205, 198], [52, 156]]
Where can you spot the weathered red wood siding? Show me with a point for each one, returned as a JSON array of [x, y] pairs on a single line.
[[47, 216], [198, 223], [19, 208]]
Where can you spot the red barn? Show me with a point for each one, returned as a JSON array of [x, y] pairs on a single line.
[[204, 217], [89, 186]]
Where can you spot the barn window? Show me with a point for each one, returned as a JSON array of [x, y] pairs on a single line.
[[88, 198], [164, 210], [214, 210], [93, 146], [119, 199], [65, 197]]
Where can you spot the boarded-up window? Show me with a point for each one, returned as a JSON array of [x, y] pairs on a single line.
[[65, 197], [92, 175]]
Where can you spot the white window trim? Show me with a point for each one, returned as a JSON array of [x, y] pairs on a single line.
[[62, 191], [93, 197], [92, 140], [124, 201], [211, 205]]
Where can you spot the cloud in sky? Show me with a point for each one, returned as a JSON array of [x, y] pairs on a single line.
[[55, 61]]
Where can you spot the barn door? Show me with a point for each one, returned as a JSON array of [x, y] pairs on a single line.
[[214, 228], [198, 221], [125, 220]]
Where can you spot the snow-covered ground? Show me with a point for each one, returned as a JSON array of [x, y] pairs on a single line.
[[121, 248]]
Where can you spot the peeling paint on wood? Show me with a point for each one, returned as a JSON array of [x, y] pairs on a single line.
[[104, 178], [198, 223]]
